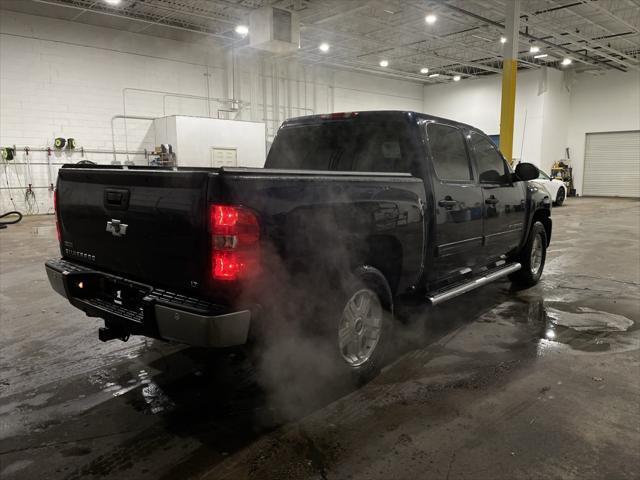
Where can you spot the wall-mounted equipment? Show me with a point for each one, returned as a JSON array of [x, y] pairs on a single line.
[[163, 156], [274, 29], [8, 153], [59, 143]]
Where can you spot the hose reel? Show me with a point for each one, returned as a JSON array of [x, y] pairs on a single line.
[[8, 153]]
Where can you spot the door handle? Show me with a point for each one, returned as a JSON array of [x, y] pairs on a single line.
[[448, 202], [491, 200]]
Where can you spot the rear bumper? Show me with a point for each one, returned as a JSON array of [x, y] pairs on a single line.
[[159, 313]]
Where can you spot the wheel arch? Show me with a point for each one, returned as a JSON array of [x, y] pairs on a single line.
[[376, 280], [544, 217]]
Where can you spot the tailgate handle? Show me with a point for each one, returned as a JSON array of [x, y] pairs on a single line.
[[116, 199]]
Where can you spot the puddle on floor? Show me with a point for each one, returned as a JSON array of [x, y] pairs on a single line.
[[582, 328]]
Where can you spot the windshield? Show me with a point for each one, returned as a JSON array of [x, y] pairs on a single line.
[[543, 176], [340, 145]]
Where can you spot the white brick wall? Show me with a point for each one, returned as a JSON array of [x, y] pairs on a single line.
[[66, 79]]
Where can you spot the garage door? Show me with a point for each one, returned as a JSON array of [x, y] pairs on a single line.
[[612, 164]]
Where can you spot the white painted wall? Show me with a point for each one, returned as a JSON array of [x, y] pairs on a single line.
[[555, 123], [604, 103], [60, 78]]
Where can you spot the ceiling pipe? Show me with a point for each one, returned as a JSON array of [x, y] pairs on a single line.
[[584, 57]]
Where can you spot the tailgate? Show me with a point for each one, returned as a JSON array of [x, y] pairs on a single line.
[[147, 225]]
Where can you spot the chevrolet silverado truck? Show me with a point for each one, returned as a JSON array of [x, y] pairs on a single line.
[[352, 211]]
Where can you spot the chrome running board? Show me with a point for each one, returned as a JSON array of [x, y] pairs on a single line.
[[448, 293]]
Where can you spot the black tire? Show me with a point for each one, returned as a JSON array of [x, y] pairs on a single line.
[[369, 282], [560, 196], [531, 270]]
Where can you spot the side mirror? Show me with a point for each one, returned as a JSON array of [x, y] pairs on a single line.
[[526, 171]]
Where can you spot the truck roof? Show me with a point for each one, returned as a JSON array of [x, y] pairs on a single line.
[[407, 115]]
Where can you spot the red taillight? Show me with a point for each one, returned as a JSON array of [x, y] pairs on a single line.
[[235, 250], [226, 265], [55, 212]]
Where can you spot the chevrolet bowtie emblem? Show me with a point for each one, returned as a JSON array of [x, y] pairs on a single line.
[[116, 228]]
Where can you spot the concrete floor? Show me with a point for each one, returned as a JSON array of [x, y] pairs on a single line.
[[541, 383]]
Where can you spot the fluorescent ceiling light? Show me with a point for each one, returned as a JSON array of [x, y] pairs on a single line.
[[384, 63], [242, 30], [113, 2], [566, 61], [434, 75], [503, 39], [424, 70], [324, 47], [534, 49], [430, 19], [456, 78], [542, 55]]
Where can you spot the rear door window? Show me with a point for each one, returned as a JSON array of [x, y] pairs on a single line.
[[449, 153]]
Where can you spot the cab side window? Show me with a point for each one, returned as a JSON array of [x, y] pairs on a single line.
[[449, 153], [491, 167]]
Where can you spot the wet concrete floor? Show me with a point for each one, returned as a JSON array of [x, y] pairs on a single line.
[[537, 383]]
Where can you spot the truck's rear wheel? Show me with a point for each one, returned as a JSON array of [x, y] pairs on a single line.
[[365, 324], [532, 257]]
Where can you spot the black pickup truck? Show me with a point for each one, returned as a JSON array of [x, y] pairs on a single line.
[[353, 211]]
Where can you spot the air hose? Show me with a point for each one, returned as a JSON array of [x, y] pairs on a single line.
[[4, 223]]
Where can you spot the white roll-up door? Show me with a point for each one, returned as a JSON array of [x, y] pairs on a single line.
[[612, 164]]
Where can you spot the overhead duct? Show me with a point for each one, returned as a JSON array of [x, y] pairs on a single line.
[[274, 30]]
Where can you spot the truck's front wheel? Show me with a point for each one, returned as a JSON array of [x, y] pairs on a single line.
[[532, 257]]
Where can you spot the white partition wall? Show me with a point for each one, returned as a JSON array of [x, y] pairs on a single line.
[[211, 142]]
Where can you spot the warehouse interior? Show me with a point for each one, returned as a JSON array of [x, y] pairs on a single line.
[[534, 383]]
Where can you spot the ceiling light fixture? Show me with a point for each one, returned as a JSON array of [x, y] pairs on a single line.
[[242, 30], [534, 49], [503, 39], [430, 19], [542, 55], [113, 2], [384, 63], [456, 78], [324, 47], [424, 70], [566, 61], [434, 75]]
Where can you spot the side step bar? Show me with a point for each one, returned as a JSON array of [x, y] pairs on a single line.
[[443, 295]]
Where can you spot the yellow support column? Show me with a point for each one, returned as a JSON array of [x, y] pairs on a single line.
[[509, 74]]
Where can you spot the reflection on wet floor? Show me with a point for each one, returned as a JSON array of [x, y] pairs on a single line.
[[580, 327]]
